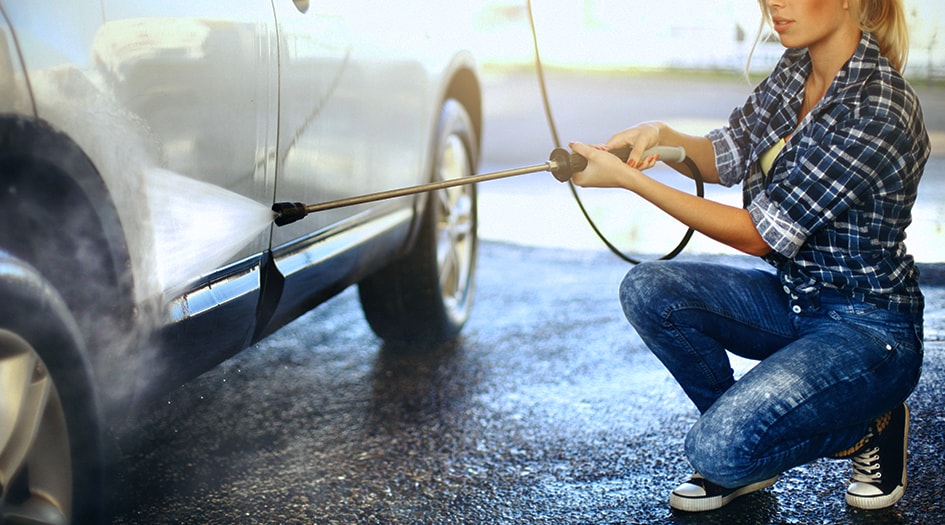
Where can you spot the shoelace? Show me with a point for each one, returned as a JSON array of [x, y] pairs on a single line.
[[866, 466]]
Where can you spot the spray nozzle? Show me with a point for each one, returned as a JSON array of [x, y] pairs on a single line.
[[288, 212]]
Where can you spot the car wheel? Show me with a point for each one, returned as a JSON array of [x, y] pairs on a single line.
[[49, 449], [425, 297]]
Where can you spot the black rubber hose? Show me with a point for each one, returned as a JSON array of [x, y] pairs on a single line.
[[696, 174]]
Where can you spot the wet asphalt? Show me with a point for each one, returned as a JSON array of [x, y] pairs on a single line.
[[548, 409]]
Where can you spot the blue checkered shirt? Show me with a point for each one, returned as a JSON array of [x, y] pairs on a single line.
[[837, 200]]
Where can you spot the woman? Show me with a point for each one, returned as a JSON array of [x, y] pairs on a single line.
[[829, 150]]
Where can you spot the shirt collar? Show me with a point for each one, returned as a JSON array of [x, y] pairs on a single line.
[[865, 59]]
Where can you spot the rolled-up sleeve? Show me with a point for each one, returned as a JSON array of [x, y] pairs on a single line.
[[776, 227], [728, 159], [732, 143]]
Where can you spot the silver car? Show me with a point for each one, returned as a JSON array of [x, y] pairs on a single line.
[[142, 146]]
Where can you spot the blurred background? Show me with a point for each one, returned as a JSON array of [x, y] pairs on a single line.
[[611, 64], [634, 34]]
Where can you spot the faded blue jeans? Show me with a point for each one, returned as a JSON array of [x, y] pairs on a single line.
[[827, 366]]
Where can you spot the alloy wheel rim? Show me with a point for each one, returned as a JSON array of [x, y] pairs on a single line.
[[35, 460], [456, 223]]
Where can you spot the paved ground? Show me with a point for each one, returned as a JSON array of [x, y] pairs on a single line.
[[547, 410]]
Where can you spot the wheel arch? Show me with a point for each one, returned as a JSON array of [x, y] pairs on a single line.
[[60, 218], [44, 161], [465, 88]]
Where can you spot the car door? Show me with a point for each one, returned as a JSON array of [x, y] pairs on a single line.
[[354, 107], [202, 77]]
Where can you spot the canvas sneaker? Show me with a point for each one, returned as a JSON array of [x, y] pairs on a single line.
[[879, 468], [699, 494]]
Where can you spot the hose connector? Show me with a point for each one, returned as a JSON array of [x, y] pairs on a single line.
[[562, 164]]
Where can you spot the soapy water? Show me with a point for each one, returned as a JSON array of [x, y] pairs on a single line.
[[197, 226]]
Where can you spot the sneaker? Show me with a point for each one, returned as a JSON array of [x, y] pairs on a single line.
[[699, 494], [879, 469]]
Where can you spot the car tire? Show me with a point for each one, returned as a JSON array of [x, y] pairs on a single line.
[[50, 445], [424, 298]]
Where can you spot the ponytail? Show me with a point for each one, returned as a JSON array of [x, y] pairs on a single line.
[[886, 20]]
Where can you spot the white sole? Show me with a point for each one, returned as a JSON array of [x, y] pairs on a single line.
[[702, 504], [885, 500]]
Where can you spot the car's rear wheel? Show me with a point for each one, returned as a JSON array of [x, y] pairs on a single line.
[[49, 447], [425, 297]]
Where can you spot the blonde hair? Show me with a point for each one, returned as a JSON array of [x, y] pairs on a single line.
[[884, 19]]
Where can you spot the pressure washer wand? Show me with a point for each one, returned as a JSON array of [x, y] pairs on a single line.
[[561, 163], [289, 212]]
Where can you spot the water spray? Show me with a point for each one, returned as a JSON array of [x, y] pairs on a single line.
[[561, 163]]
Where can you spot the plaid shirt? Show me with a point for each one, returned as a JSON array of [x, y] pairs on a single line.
[[835, 205]]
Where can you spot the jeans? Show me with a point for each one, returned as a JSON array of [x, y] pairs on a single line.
[[827, 365]]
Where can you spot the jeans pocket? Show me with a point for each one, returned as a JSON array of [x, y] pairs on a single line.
[[888, 336]]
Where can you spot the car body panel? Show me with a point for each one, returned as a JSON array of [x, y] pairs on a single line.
[[203, 79]]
